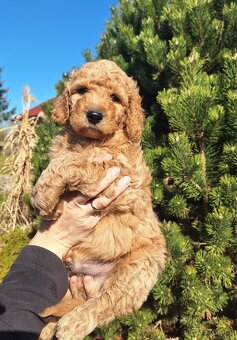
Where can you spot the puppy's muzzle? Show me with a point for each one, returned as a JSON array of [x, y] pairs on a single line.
[[94, 117]]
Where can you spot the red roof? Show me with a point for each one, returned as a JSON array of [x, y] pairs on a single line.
[[37, 109]]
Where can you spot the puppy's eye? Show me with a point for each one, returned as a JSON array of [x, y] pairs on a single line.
[[115, 98], [82, 90]]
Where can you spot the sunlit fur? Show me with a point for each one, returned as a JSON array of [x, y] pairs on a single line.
[[126, 250]]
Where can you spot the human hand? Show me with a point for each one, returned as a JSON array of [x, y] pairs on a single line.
[[80, 214], [87, 283]]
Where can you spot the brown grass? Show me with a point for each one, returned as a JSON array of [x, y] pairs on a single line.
[[20, 140], [2, 161]]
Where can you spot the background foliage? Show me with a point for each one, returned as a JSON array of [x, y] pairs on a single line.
[[5, 114], [10, 246], [184, 56]]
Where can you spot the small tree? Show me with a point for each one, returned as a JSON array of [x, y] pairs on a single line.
[[4, 113], [45, 131]]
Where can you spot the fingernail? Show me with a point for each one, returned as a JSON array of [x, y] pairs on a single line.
[[115, 170], [125, 180]]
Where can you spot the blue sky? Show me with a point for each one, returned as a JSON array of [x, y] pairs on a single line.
[[41, 39]]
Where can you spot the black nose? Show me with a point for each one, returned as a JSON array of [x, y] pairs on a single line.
[[94, 117]]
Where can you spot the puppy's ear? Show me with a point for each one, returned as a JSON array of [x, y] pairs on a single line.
[[61, 109], [134, 123]]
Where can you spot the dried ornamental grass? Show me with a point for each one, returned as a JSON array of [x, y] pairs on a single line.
[[20, 141]]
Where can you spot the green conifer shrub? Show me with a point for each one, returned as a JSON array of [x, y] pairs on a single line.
[[46, 130], [184, 56]]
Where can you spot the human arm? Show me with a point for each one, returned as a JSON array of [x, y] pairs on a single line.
[[38, 277]]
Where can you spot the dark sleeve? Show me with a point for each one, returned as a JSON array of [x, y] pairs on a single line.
[[36, 280]]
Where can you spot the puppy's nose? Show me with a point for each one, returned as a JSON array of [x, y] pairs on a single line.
[[94, 117]]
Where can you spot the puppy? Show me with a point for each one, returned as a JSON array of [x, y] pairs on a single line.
[[101, 112]]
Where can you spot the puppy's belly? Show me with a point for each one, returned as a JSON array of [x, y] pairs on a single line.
[[90, 267]]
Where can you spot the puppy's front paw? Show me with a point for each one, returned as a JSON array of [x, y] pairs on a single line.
[[40, 204]]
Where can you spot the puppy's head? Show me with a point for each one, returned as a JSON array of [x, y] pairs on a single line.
[[98, 100]]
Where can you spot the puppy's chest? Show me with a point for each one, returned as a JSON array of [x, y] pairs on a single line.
[[127, 156]]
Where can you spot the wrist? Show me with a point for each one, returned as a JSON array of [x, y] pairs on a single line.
[[45, 240]]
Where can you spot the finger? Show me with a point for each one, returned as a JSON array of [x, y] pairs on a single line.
[[88, 283], [103, 158], [73, 282], [103, 201], [110, 176], [76, 198]]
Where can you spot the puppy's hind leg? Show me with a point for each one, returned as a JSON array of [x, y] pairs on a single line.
[[49, 331], [120, 295]]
